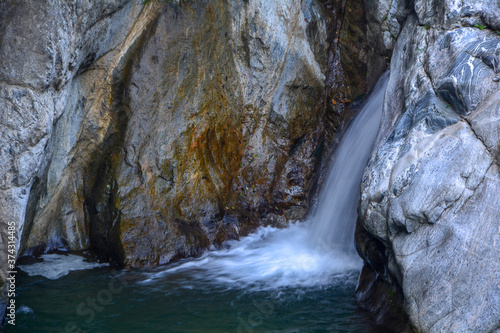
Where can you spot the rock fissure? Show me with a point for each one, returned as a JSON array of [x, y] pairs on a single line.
[[488, 149]]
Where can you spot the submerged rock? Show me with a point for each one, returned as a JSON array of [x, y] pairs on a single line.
[[430, 190]]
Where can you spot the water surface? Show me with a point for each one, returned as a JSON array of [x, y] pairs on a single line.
[[257, 285]]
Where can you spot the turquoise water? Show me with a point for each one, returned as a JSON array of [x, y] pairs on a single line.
[[271, 281], [180, 304]]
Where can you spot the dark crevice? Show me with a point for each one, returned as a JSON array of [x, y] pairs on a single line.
[[38, 189], [377, 292], [86, 63], [101, 186], [296, 145]]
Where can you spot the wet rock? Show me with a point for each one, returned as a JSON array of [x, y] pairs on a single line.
[[377, 291]]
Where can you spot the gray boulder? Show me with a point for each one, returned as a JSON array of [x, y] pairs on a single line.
[[430, 190]]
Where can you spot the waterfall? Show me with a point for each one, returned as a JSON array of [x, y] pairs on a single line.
[[333, 221], [298, 278], [319, 251]]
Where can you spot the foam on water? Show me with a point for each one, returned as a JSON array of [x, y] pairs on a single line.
[[24, 309], [268, 259], [55, 266], [313, 253]]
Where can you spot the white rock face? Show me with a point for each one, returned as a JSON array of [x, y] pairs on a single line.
[[46, 50], [430, 192]]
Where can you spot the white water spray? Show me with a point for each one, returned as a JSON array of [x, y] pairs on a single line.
[[334, 219], [313, 253]]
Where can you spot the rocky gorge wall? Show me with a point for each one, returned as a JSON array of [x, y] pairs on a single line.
[[151, 131], [429, 221]]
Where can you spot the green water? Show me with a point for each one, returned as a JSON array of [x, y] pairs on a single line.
[[271, 281], [179, 303]]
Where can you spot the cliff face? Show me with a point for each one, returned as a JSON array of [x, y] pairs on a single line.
[[429, 211], [59, 61], [220, 111], [187, 135], [149, 132]]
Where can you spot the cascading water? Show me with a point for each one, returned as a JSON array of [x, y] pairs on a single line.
[[310, 253], [333, 221], [304, 254]]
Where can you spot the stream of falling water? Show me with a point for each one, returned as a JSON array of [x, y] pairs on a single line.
[[333, 221], [312, 253]]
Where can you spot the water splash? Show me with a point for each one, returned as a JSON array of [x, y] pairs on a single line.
[[268, 259], [24, 309], [317, 252]]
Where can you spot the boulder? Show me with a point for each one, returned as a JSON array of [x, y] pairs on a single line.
[[430, 190]]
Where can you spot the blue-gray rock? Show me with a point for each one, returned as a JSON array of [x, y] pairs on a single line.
[[430, 190]]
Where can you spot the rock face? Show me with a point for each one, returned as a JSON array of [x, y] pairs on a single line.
[[430, 191], [221, 112], [55, 110], [152, 131], [159, 129]]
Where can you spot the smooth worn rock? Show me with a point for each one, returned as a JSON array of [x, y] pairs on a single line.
[[150, 132], [430, 190], [46, 49], [220, 114]]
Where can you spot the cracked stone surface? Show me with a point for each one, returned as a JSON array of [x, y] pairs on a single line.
[[430, 190]]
